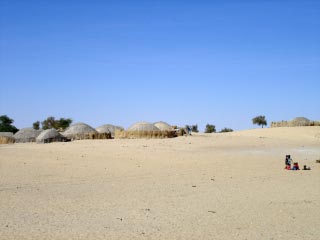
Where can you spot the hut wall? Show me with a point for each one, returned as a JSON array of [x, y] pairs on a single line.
[[25, 140], [144, 134], [6, 140], [90, 136], [54, 139], [294, 124]]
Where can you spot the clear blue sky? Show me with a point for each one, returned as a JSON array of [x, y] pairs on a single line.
[[184, 62]]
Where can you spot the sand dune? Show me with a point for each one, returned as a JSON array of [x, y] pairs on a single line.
[[207, 186]]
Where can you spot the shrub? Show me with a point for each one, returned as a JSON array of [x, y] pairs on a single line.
[[226, 130], [36, 125], [194, 128], [210, 128]]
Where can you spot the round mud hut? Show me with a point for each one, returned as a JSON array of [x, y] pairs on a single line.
[[26, 135], [108, 128], [79, 131], [50, 135]]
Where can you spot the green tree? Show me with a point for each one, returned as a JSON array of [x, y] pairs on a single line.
[[63, 123], [194, 128], [260, 120], [226, 130], [210, 128], [6, 124], [36, 125], [49, 123]]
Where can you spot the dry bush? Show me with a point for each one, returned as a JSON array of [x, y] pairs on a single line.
[[103, 136], [315, 123], [6, 140], [294, 124], [91, 136], [144, 134]]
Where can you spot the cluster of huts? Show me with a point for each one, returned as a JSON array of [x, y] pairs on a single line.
[[79, 131], [296, 122]]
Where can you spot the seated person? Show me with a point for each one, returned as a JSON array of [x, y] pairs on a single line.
[[306, 168], [295, 166]]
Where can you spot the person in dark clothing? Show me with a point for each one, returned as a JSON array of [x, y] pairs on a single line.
[[288, 162]]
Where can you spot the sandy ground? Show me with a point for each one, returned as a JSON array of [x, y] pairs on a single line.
[[214, 186]]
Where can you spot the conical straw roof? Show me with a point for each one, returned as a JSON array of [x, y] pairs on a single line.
[[301, 120], [50, 135], [27, 135], [163, 126], [108, 128], [143, 126], [79, 128]]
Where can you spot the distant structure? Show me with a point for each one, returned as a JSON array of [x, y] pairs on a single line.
[[80, 131], [163, 126], [108, 128], [50, 135], [25, 135], [296, 122], [145, 130], [6, 138]]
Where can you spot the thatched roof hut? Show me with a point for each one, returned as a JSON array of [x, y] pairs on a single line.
[[26, 135], [79, 131], [296, 122], [163, 126], [6, 137], [50, 135], [143, 126], [144, 130], [300, 121], [6, 134], [108, 128]]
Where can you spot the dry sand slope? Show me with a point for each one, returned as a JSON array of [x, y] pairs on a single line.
[[219, 186]]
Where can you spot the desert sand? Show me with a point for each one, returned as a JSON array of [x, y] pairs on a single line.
[[205, 186]]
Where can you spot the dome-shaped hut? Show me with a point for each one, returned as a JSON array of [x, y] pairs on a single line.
[[300, 121], [108, 128], [163, 126], [143, 127], [144, 130], [26, 135], [79, 131], [50, 135]]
